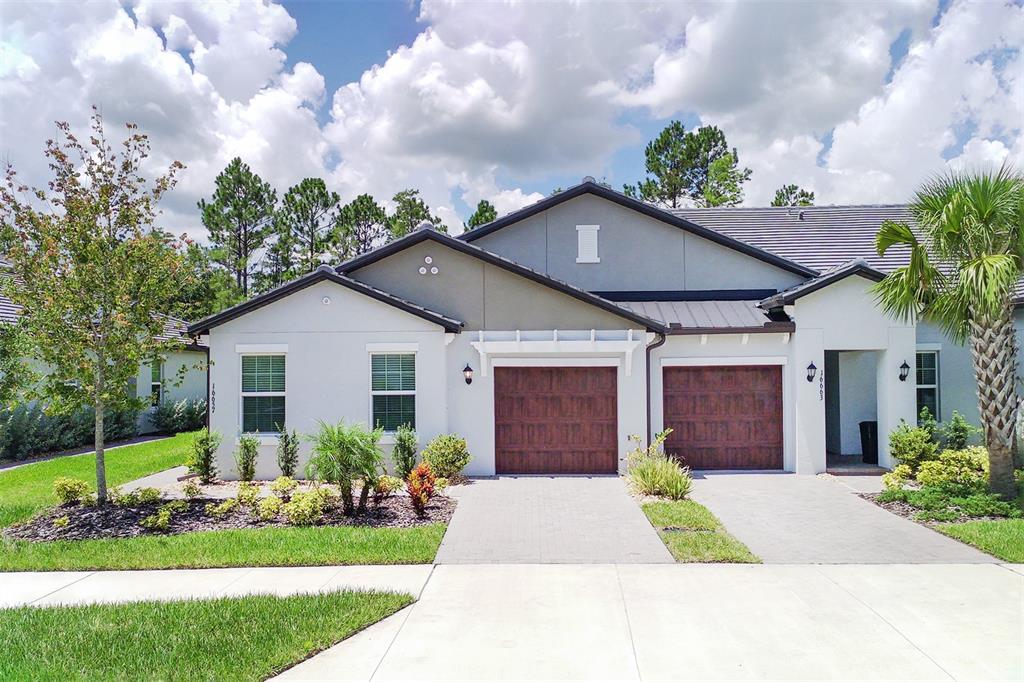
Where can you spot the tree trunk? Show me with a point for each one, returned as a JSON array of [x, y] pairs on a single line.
[[347, 508], [994, 353], [101, 469], [364, 494]]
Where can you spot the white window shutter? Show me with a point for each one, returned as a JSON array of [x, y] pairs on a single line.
[[586, 236]]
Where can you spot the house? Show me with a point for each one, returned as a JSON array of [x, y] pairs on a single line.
[[550, 335], [179, 376]]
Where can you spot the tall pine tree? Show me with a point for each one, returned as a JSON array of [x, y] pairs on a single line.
[[410, 211], [484, 213], [361, 225], [307, 215]]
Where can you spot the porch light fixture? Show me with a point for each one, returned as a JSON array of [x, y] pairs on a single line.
[[467, 372], [904, 371], [811, 371]]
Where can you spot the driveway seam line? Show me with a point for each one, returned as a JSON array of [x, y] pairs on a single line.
[[629, 625], [62, 587], [401, 627], [886, 621]]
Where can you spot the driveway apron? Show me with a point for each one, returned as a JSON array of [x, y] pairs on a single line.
[[790, 519], [549, 520]]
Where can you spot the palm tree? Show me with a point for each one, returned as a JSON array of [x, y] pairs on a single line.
[[966, 257]]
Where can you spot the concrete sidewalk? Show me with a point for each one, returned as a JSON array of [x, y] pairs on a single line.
[[66, 588], [695, 622]]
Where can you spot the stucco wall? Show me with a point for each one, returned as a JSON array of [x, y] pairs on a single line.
[[327, 366], [184, 378], [637, 252], [483, 296]]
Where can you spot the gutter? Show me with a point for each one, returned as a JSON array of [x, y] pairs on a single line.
[[660, 342]]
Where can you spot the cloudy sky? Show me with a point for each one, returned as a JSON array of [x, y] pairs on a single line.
[[507, 100]]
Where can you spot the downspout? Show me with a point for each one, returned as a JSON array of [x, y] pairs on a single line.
[[660, 342]]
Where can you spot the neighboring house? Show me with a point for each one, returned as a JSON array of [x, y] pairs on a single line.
[[182, 375], [583, 319]]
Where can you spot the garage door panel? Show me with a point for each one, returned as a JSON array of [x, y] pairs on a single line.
[[551, 420], [724, 417]]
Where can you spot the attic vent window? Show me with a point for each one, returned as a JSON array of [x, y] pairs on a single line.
[[586, 236]]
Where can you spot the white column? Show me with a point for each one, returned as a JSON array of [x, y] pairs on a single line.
[[897, 400], [809, 398]]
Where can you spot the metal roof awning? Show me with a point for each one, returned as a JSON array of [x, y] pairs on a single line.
[[710, 317]]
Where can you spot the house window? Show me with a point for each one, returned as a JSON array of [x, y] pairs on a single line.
[[393, 390], [586, 237], [928, 381], [263, 393], [156, 383]]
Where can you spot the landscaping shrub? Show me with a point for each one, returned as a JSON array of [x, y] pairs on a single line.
[[304, 509], [951, 501], [191, 489], [342, 454], [896, 478], [404, 452], [223, 509], [61, 522], [420, 486], [202, 460], [283, 486], [268, 508], [447, 455], [179, 417], [134, 498], [288, 452], [245, 456], [159, 521], [385, 487], [652, 472], [957, 432], [926, 421], [912, 445], [70, 490], [440, 483], [248, 494], [27, 430], [968, 466]]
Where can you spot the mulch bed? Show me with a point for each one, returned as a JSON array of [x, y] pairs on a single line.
[[111, 521], [910, 512]]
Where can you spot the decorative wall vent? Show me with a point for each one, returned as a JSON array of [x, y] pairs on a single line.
[[428, 268]]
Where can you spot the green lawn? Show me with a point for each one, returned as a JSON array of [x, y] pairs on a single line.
[[248, 638], [693, 534], [29, 488], [310, 546], [1003, 539]]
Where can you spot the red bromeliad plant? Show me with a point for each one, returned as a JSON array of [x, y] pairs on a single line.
[[420, 486]]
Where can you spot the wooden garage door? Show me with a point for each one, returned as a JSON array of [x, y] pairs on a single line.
[[555, 420], [724, 417]]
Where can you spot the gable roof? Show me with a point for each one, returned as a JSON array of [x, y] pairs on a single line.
[[322, 273], [424, 234], [855, 267], [667, 217]]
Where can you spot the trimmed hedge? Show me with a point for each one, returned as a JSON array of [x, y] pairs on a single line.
[[27, 430]]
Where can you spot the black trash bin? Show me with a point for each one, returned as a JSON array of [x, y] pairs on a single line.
[[869, 442]]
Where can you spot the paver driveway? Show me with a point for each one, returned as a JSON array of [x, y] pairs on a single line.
[[790, 519], [549, 520]]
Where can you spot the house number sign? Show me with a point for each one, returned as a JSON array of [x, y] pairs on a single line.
[[821, 387]]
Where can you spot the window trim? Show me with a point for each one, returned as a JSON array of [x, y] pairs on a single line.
[[936, 386], [587, 231], [242, 395], [414, 352]]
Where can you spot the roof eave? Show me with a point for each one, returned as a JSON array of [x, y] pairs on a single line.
[[770, 328]]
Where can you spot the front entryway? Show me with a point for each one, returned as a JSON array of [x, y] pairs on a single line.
[[555, 420], [724, 417], [549, 520]]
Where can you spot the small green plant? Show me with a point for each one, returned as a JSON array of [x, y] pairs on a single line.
[[652, 472], [447, 455], [176, 506], [912, 445], [148, 495], [440, 484], [403, 454], [385, 487], [968, 466], [120, 498], [288, 452], [160, 521], [70, 490], [61, 522], [191, 489], [248, 494], [283, 487], [245, 456], [304, 509], [420, 487], [202, 460], [897, 478], [268, 508], [957, 432], [222, 509]]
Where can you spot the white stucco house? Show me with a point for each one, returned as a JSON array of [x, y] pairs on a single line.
[[549, 336]]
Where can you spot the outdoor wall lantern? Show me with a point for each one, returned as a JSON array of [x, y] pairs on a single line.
[[811, 371], [904, 371], [468, 373]]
